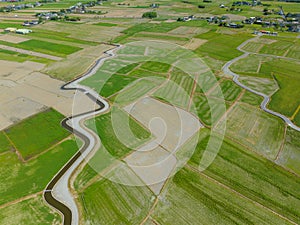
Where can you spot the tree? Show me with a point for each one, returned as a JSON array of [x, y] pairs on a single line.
[[150, 15]]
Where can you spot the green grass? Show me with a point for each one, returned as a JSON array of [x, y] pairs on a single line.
[[253, 47], [108, 202], [163, 27], [5, 145], [289, 156], [44, 47], [132, 49], [277, 48], [254, 177], [255, 129], [249, 66], [287, 99], [37, 133], [59, 36], [137, 90], [178, 90], [31, 211], [229, 89], [151, 36], [127, 69], [109, 139], [106, 24], [204, 109], [19, 57], [221, 46], [192, 198], [107, 84], [156, 67], [251, 99], [100, 161], [263, 85], [297, 119], [4, 25], [114, 84], [140, 73], [22, 179]]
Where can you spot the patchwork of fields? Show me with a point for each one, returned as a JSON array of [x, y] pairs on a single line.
[[275, 77], [243, 171], [252, 157], [27, 152]]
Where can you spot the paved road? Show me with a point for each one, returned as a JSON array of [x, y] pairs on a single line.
[[57, 193], [266, 100]]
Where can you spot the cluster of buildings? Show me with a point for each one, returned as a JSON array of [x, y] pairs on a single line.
[[289, 22], [265, 32], [18, 31], [187, 18], [82, 7], [16, 7], [79, 8]]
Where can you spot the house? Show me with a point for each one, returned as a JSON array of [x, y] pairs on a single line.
[[294, 28], [154, 5], [23, 31], [232, 25]]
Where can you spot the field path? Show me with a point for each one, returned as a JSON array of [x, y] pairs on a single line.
[[266, 100]]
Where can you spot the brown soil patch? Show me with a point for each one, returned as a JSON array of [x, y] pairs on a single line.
[[24, 92], [12, 38], [194, 43]]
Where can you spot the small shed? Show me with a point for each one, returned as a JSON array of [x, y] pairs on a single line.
[[23, 31]]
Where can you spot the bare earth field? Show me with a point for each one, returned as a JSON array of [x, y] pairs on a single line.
[[12, 39], [25, 92], [194, 43], [171, 127]]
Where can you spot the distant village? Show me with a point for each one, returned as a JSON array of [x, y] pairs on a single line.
[[288, 22], [77, 8]]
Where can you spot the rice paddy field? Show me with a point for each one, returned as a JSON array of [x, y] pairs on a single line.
[[49, 132], [256, 169], [195, 198], [25, 178], [107, 202], [103, 125], [284, 46], [19, 57], [255, 129], [283, 72], [221, 46], [27, 166], [289, 155], [44, 47], [29, 211]]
